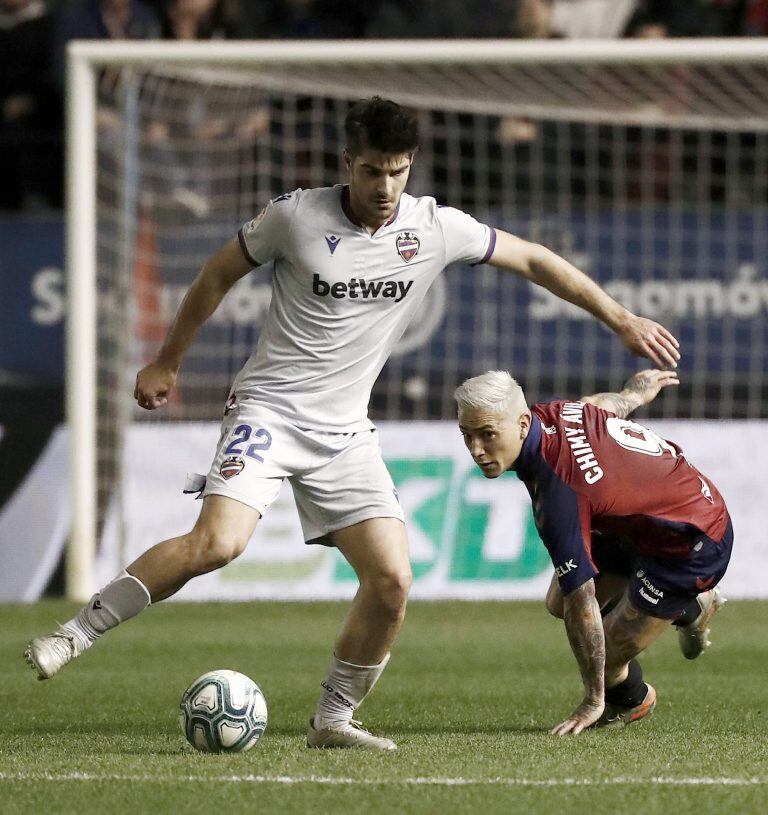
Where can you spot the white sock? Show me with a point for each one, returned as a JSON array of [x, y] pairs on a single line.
[[344, 689], [118, 601]]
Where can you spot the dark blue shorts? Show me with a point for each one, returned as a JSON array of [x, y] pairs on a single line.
[[663, 587]]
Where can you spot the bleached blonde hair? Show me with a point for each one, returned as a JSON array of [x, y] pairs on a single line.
[[496, 391]]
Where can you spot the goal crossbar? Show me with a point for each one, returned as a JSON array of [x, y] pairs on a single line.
[[423, 52]]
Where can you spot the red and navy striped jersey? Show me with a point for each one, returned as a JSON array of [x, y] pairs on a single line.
[[585, 469]]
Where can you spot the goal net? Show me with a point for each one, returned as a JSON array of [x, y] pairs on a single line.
[[645, 164]]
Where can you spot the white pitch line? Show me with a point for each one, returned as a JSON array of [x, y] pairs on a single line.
[[418, 781]]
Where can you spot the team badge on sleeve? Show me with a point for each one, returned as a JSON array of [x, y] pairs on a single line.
[[251, 225], [231, 467], [407, 244]]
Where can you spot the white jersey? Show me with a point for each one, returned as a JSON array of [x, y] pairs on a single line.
[[342, 298]]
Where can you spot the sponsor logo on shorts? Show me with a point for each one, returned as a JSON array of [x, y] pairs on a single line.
[[653, 600], [231, 467], [648, 585], [407, 245]]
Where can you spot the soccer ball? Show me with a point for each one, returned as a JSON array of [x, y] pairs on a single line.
[[223, 712]]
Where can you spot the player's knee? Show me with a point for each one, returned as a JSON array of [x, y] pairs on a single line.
[[554, 602], [555, 608], [212, 550], [391, 590]]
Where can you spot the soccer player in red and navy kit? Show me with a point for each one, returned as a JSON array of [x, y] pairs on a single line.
[[632, 527]]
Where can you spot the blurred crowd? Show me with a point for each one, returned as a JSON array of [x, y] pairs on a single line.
[[34, 33]]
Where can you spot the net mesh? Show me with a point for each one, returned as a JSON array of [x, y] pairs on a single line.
[[653, 179]]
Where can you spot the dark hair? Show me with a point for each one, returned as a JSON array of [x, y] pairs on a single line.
[[382, 125]]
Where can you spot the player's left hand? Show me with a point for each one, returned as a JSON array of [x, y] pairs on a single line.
[[585, 715], [647, 384], [651, 340]]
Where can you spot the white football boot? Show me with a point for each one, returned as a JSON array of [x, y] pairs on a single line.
[[694, 637], [347, 734], [50, 653]]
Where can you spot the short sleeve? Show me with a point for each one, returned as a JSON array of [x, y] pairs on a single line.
[[264, 238], [466, 240], [563, 522]]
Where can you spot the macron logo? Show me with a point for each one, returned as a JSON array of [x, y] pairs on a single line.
[[358, 287], [332, 242]]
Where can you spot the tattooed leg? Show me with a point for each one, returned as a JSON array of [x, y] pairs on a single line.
[[628, 632]]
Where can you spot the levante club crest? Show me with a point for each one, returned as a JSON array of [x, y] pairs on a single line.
[[407, 245], [231, 467]]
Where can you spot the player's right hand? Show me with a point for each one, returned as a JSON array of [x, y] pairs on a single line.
[[153, 382], [647, 338]]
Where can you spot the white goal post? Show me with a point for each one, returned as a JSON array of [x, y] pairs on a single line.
[[561, 141]]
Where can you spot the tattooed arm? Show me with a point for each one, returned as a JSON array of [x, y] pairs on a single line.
[[584, 626], [640, 389]]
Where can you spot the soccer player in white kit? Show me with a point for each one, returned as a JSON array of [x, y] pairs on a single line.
[[352, 263]]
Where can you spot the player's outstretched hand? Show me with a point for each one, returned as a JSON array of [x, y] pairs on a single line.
[[585, 715], [153, 382], [651, 340], [645, 385]]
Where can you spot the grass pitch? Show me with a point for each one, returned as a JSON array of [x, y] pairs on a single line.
[[469, 695]]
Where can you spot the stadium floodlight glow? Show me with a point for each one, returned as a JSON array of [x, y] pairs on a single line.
[[644, 162]]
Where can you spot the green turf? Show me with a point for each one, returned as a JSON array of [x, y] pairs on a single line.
[[469, 694]]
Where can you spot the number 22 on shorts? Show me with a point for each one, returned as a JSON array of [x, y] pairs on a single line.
[[242, 434]]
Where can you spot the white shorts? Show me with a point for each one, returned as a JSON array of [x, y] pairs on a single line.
[[338, 479]]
